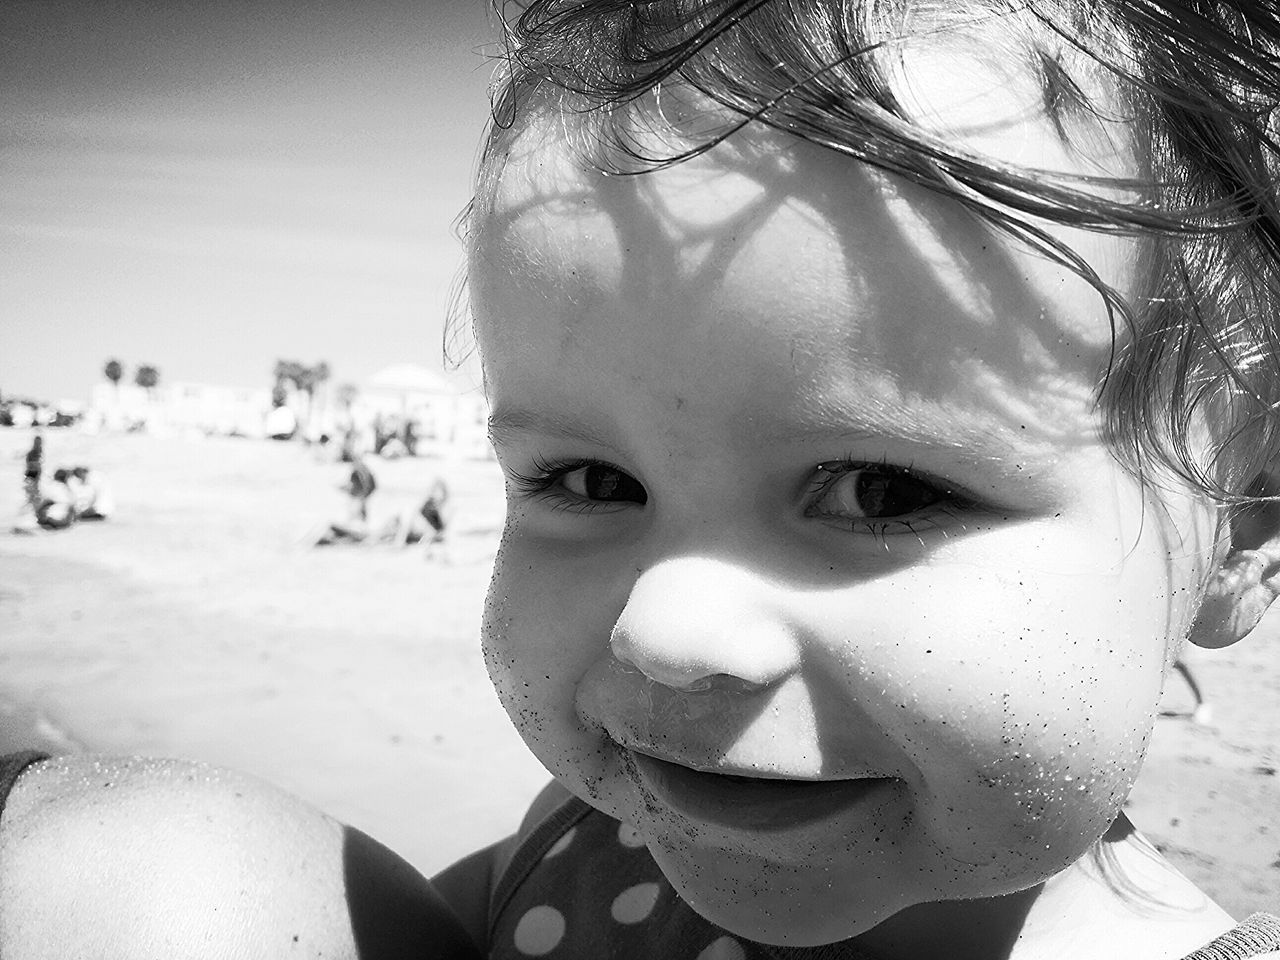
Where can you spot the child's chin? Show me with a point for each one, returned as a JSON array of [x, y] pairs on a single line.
[[780, 924], [775, 910]]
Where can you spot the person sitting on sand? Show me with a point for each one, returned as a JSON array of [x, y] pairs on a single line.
[[393, 448], [94, 500], [424, 522], [354, 528], [57, 506], [432, 510]]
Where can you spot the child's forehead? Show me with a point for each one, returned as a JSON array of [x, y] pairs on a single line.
[[848, 277], [764, 197], [829, 232]]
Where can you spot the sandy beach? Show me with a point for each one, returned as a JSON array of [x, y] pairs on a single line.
[[197, 623]]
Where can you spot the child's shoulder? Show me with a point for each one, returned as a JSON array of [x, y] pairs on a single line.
[[134, 857]]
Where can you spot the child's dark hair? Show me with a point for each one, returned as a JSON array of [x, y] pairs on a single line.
[[1199, 80]]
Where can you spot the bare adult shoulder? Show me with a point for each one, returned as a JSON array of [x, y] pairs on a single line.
[[122, 858]]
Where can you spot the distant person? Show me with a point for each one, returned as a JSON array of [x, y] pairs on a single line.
[[393, 448], [35, 460], [1202, 712], [93, 498], [432, 511], [361, 486], [426, 522], [68, 477], [354, 528], [57, 510], [34, 470], [28, 511]]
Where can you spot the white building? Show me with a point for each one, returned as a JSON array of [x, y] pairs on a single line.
[[445, 421], [181, 407]]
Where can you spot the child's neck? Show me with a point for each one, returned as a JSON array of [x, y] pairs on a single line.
[[1125, 901]]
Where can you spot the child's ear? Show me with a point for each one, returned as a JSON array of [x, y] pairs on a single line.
[[1245, 583]]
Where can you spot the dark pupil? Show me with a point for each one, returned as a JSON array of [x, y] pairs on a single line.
[[605, 483], [885, 494]]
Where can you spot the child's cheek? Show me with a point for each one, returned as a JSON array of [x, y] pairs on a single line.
[[1020, 686], [544, 623]]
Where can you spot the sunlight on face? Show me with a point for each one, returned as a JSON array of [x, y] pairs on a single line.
[[815, 568]]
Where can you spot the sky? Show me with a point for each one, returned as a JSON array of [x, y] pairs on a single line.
[[208, 186]]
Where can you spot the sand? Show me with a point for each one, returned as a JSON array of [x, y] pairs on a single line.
[[197, 624]]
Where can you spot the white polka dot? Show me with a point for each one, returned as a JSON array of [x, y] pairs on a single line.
[[635, 903], [562, 844], [726, 948], [539, 931], [629, 836]]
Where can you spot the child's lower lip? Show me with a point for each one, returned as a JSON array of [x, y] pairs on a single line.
[[747, 803]]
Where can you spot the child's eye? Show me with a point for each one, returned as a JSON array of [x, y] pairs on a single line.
[[580, 484], [849, 490], [601, 482]]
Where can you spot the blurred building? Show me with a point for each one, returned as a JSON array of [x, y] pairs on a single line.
[[412, 403], [441, 419], [181, 407]]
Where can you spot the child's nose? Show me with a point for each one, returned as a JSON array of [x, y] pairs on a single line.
[[690, 620]]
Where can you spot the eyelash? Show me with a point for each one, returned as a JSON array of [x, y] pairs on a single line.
[[541, 483], [951, 503]]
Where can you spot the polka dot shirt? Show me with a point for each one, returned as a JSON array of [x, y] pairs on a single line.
[[583, 886]]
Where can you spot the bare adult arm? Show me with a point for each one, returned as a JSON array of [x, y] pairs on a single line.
[[128, 858]]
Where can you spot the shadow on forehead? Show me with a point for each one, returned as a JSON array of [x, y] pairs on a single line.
[[954, 301]]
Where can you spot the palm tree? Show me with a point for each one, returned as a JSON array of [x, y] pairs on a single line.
[[287, 371], [147, 377], [113, 371], [303, 379]]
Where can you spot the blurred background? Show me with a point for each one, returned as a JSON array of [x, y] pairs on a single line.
[[226, 259], [222, 221], [206, 186]]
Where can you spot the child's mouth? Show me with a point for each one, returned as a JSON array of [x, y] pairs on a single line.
[[746, 802]]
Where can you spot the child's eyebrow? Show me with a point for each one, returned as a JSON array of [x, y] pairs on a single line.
[[505, 423], [1004, 451]]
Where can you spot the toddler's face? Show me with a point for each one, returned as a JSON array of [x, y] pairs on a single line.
[[815, 569]]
